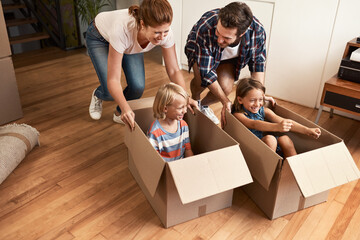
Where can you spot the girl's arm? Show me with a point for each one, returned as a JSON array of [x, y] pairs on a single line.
[[279, 126], [115, 88], [294, 126], [174, 73], [260, 125]]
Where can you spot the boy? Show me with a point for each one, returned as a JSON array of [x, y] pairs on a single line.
[[169, 133]]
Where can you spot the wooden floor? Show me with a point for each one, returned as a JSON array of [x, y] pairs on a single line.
[[76, 185]]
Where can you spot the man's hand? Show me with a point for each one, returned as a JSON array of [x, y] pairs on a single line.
[[226, 107], [192, 105], [270, 99]]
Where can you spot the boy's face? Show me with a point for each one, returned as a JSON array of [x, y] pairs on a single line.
[[177, 109], [253, 100]]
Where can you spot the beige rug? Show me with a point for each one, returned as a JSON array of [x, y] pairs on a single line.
[[16, 141]]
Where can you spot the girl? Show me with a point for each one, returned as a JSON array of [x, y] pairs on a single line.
[[249, 110], [117, 40], [169, 133]]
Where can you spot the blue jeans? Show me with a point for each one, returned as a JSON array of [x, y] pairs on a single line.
[[132, 65]]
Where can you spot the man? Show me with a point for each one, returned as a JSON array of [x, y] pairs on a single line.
[[219, 45]]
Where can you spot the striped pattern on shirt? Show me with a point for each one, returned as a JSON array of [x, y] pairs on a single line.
[[171, 146]]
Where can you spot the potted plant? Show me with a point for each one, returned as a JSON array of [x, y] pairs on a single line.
[[88, 9]]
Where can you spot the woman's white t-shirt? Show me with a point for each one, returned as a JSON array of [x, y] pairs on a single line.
[[120, 30]]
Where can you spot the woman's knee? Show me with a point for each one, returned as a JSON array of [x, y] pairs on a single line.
[[134, 91]]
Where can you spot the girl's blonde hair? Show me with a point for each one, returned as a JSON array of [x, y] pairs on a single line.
[[243, 87], [152, 12], [165, 96]]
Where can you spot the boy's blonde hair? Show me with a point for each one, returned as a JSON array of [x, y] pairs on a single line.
[[165, 96]]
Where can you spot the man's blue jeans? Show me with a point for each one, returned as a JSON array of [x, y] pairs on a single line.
[[132, 65]]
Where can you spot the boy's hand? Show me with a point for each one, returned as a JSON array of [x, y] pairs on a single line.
[[285, 125], [314, 132]]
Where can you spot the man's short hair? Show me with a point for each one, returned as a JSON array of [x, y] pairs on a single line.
[[236, 15]]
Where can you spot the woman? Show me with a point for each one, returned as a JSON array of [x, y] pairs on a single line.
[[117, 40]]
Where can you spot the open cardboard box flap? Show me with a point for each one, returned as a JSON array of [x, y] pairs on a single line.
[[263, 166], [207, 174], [322, 169], [148, 162]]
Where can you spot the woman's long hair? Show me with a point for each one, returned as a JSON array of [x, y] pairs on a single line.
[[152, 12]]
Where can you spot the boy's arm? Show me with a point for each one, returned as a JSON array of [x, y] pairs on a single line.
[[189, 153]]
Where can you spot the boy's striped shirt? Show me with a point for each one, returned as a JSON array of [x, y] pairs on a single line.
[[171, 146]]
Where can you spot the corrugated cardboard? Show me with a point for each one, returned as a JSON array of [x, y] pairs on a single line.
[[284, 186], [10, 107], [4, 39], [191, 187]]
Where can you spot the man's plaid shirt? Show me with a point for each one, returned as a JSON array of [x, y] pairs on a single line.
[[201, 47]]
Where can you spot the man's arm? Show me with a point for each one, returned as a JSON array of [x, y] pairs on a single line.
[[260, 76]]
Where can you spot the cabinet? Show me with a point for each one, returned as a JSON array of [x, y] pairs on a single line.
[[341, 94]]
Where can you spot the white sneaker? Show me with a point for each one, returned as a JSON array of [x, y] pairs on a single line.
[[95, 108], [210, 114], [117, 119]]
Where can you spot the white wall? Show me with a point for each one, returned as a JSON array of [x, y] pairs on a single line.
[[300, 40]]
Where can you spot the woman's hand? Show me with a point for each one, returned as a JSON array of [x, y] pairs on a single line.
[[128, 117]]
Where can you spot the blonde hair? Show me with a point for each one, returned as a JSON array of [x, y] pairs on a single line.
[[152, 12], [242, 89], [165, 96]]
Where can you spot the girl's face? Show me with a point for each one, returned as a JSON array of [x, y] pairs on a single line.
[[177, 109], [253, 100], [156, 34]]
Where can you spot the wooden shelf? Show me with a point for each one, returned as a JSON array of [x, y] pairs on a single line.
[[341, 94]]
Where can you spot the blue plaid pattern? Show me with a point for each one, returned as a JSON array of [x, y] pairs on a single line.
[[201, 47]]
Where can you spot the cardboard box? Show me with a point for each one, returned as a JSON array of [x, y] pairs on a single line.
[[284, 186], [191, 187], [10, 107], [4, 39]]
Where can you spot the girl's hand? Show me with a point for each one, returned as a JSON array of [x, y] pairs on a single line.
[[128, 118], [314, 132], [285, 125]]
